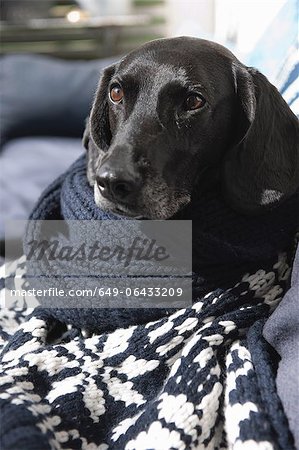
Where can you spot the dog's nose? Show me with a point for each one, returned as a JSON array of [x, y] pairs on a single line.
[[118, 184]]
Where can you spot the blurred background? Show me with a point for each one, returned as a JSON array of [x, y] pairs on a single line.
[[88, 29], [52, 54]]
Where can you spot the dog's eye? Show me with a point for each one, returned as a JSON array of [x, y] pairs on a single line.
[[194, 101], [116, 93]]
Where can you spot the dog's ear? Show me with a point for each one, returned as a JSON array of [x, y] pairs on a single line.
[[261, 169], [86, 134], [97, 134], [99, 127]]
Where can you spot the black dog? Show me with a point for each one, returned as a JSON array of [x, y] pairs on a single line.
[[179, 114]]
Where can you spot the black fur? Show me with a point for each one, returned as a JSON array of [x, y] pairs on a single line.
[[244, 137]]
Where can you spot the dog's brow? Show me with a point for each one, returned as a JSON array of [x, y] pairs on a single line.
[[194, 85], [152, 65], [126, 80]]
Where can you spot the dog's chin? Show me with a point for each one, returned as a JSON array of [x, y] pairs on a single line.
[[153, 213], [121, 210]]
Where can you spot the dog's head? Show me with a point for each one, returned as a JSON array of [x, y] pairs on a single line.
[[178, 114]]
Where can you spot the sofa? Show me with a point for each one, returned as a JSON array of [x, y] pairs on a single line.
[[44, 105]]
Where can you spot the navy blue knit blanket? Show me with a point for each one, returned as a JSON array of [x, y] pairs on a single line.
[[201, 377]]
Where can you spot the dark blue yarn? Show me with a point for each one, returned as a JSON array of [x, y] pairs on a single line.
[[226, 244]]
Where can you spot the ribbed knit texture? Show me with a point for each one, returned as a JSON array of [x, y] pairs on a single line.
[[201, 377], [225, 244]]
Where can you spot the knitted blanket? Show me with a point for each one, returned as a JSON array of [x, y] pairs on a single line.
[[201, 377]]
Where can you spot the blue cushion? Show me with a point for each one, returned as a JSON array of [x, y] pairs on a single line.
[[42, 96], [30, 165]]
